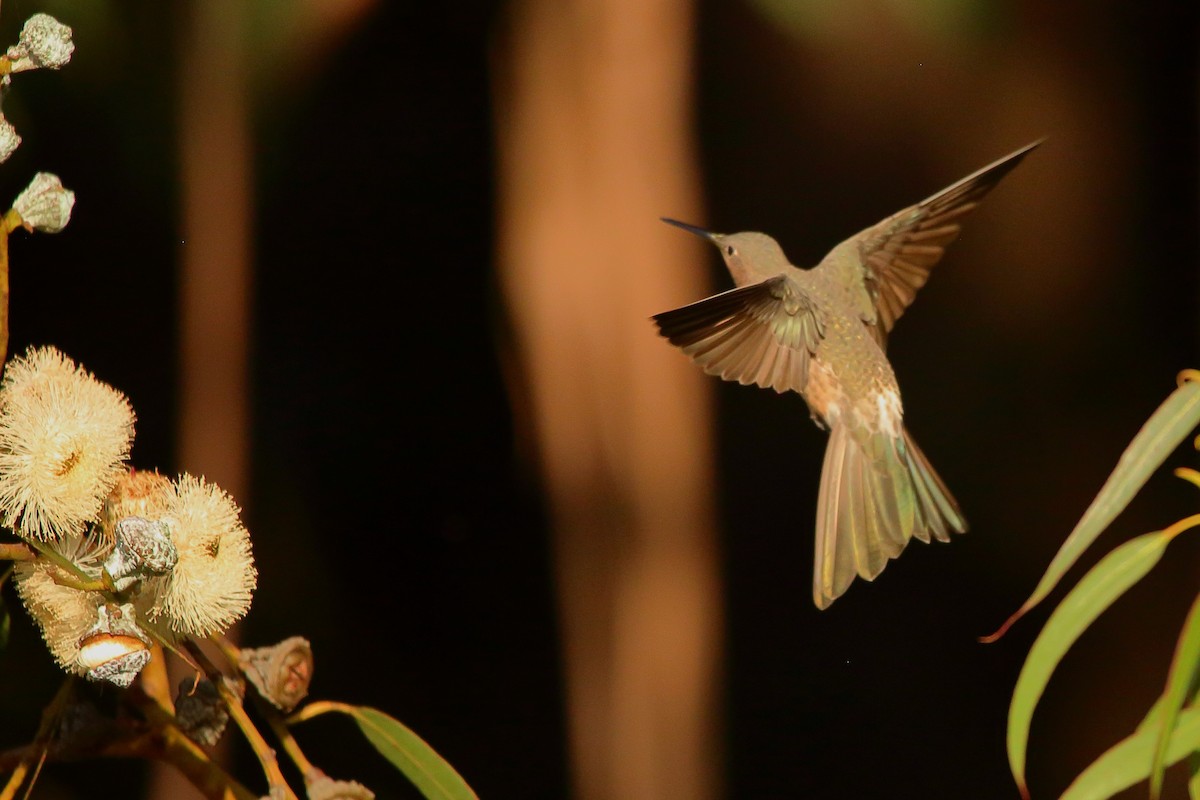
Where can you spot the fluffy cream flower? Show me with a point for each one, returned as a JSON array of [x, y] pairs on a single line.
[[212, 583], [63, 439], [63, 614]]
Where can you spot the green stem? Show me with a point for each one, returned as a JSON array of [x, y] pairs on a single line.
[[319, 707], [82, 581], [290, 746]]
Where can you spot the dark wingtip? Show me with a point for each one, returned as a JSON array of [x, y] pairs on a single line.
[[1017, 156], [1010, 161], [979, 183], [991, 174]]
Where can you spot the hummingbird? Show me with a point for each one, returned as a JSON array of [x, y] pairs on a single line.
[[822, 332]]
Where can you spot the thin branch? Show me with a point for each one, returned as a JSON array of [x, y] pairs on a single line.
[[233, 655], [319, 707], [41, 742], [16, 551], [163, 741], [264, 751], [310, 771], [155, 682], [166, 742], [15, 780], [9, 223]]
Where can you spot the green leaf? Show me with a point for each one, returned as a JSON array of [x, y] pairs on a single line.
[[1102, 585], [1194, 776], [1159, 436], [1179, 684], [1128, 762], [1154, 716], [408, 753]]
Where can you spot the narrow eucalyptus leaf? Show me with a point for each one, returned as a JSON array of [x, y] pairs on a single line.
[[428, 771], [1096, 591], [1154, 715], [1167, 427], [1179, 681], [1128, 762]]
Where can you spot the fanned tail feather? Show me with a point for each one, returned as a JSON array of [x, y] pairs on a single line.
[[876, 494]]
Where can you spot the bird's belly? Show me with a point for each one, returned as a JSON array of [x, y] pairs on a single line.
[[867, 402]]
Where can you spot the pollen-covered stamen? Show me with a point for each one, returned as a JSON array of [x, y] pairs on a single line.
[[68, 463]]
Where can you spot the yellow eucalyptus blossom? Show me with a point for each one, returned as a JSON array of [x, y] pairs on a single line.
[[63, 439], [212, 582]]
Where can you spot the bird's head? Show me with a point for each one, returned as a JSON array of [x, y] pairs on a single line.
[[750, 256]]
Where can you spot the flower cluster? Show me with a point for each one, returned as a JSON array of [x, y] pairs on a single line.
[[126, 557]]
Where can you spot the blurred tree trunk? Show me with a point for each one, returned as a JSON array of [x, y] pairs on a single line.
[[214, 286], [593, 119]]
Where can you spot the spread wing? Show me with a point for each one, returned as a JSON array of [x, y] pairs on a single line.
[[893, 259], [762, 334]]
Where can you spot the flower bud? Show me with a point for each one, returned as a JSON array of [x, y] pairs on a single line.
[[281, 673], [326, 788], [200, 712], [45, 206], [137, 493], [143, 547], [115, 649], [44, 42], [9, 139]]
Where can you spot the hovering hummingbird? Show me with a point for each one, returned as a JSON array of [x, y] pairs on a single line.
[[822, 332]]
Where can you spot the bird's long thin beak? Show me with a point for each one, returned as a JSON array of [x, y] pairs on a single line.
[[712, 237]]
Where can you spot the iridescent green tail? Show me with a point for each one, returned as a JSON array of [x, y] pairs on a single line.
[[876, 494]]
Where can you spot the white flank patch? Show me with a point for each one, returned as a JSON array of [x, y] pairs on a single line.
[[891, 413]]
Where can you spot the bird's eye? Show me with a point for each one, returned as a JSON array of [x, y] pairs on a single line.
[[729, 250]]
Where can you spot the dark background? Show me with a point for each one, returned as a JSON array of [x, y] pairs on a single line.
[[394, 525]]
